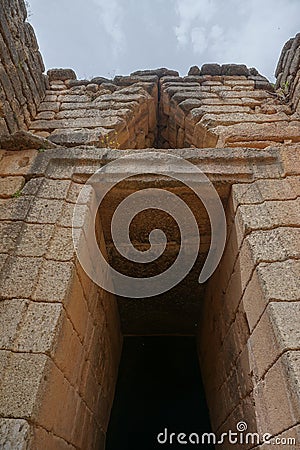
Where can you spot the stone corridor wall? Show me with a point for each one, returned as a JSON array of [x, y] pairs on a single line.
[[22, 83], [100, 112], [160, 109], [288, 73], [251, 310], [224, 111], [60, 334], [50, 309]]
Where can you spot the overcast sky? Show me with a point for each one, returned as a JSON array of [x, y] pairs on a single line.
[[110, 37]]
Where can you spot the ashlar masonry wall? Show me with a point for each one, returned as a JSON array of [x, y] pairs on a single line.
[[288, 72], [62, 340], [249, 339], [99, 113], [224, 111], [22, 82], [60, 334]]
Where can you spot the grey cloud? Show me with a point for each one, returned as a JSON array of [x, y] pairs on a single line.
[[110, 15], [105, 37]]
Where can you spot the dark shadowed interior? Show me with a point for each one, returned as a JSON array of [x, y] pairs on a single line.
[[159, 387]]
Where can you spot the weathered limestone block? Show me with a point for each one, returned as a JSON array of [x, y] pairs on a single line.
[[14, 434], [235, 69], [196, 113], [289, 437], [246, 83], [263, 85], [288, 72], [180, 138], [212, 82], [214, 120], [23, 140], [74, 97], [45, 115], [211, 69], [151, 88], [286, 47], [189, 88], [3, 127], [189, 104], [202, 137], [99, 137], [133, 79], [95, 113], [109, 122], [163, 72], [244, 101], [110, 86], [21, 377], [179, 84], [291, 59], [99, 104], [100, 80], [265, 290], [12, 312], [177, 114], [268, 397], [263, 134], [13, 164], [10, 80], [47, 440], [290, 159], [58, 88], [49, 106], [9, 186], [21, 67], [262, 190], [194, 70], [295, 63], [47, 299], [77, 83], [39, 328], [92, 87], [179, 97], [50, 97], [61, 74], [275, 333]]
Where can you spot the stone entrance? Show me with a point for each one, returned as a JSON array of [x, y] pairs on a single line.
[[67, 336], [61, 334]]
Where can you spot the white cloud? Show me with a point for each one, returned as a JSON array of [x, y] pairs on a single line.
[[188, 10], [216, 32], [110, 13], [227, 31], [102, 37], [199, 39], [261, 32], [192, 12]]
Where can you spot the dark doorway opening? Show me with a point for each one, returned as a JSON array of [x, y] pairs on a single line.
[[159, 387]]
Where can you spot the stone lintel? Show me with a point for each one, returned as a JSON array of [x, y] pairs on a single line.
[[236, 165]]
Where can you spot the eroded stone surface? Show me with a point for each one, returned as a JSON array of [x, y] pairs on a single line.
[[21, 70], [10, 186], [24, 140], [14, 434], [61, 74]]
